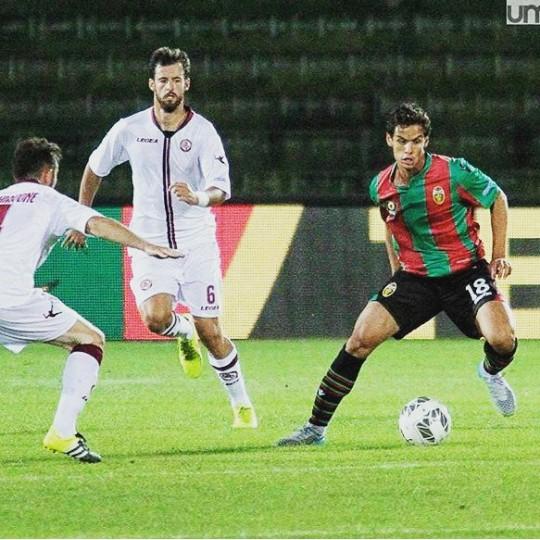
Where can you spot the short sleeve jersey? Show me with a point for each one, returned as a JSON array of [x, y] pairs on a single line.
[[32, 218], [193, 154], [432, 218]]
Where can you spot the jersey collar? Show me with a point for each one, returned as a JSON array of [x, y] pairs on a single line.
[[423, 170], [188, 117], [33, 180], [419, 174]]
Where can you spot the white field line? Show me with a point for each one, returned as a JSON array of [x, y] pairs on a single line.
[[53, 383], [394, 532], [292, 470]]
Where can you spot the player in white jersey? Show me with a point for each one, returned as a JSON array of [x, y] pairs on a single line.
[[179, 170], [33, 215]]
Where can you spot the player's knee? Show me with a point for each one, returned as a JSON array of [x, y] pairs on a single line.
[[96, 337], [362, 342], [157, 322], [502, 342], [502, 338], [90, 337]]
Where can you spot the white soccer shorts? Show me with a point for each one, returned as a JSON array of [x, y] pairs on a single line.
[[194, 280], [40, 319]]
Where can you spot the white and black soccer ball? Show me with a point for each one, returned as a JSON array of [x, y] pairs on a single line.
[[425, 421]]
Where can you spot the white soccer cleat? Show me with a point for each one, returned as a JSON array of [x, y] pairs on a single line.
[[75, 446], [502, 395], [306, 435]]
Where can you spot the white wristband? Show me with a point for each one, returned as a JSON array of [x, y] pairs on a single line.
[[203, 199]]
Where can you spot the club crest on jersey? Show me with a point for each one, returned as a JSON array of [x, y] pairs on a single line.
[[145, 284], [185, 145], [438, 195], [389, 290]]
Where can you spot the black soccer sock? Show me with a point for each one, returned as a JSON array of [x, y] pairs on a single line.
[[495, 362], [336, 384]]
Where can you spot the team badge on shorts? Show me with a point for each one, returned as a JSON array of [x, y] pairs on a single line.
[[185, 145], [145, 284], [438, 195], [389, 290]]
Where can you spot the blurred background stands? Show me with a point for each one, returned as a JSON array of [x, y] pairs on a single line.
[[298, 97]]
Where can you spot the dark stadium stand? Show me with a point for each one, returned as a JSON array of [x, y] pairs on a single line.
[[298, 97]]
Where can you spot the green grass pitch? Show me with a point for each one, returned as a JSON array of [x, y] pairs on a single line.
[[173, 467]]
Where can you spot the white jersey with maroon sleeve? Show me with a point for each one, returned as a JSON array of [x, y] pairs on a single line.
[[193, 154], [32, 217]]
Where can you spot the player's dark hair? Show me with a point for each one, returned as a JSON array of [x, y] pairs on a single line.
[[32, 154], [165, 56], [408, 114]]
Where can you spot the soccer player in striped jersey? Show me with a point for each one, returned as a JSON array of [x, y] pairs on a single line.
[[33, 215], [179, 170], [437, 260]]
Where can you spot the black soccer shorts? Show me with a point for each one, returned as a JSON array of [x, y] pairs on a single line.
[[413, 300]]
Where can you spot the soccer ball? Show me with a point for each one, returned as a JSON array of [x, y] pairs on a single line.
[[425, 421]]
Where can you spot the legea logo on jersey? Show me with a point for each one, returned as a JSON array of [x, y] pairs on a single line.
[[523, 12], [146, 140], [185, 145], [438, 195]]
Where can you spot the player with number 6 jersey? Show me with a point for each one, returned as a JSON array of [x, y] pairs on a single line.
[[427, 202], [179, 170]]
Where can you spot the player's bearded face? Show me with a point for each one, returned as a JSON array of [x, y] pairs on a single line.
[[170, 102], [169, 86], [408, 145]]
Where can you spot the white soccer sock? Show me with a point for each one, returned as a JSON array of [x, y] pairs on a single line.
[[80, 377], [229, 372], [180, 326]]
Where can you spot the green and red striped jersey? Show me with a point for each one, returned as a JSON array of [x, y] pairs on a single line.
[[432, 219]]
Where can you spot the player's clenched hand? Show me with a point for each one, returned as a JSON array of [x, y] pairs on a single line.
[[500, 268], [74, 240], [184, 193], [161, 252]]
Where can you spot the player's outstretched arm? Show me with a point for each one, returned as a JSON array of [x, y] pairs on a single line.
[[109, 229], [90, 183]]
